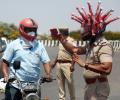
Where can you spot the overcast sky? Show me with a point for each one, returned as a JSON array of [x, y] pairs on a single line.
[[52, 13]]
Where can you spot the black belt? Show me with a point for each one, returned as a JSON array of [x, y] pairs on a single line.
[[64, 61]]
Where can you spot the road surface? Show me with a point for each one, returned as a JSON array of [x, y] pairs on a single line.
[[51, 89]]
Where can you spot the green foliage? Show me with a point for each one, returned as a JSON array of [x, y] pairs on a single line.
[[109, 35], [9, 31], [75, 35], [112, 35]]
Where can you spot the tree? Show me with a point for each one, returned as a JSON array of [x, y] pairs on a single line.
[[9, 31]]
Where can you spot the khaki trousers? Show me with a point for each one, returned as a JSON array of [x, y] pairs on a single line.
[[97, 91], [64, 74]]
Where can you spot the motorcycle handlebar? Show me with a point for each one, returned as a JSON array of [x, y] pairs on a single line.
[[42, 80]]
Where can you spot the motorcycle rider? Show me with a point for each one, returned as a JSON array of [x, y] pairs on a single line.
[[30, 53]]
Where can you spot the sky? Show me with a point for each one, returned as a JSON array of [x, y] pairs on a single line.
[[53, 13]]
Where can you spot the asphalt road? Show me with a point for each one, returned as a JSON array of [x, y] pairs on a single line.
[[51, 89]]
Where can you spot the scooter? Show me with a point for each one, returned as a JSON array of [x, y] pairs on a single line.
[[30, 90]]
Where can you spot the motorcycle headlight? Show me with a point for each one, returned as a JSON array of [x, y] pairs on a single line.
[[32, 96]]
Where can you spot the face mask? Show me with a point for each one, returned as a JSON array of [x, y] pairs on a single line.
[[32, 33]]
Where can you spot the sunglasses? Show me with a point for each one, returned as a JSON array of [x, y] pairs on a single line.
[[28, 29]]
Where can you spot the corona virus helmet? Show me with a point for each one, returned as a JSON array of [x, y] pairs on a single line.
[[93, 24], [28, 29]]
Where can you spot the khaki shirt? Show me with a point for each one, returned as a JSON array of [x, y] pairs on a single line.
[[101, 52], [62, 53]]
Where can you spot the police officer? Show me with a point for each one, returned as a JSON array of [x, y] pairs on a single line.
[[65, 67], [98, 61]]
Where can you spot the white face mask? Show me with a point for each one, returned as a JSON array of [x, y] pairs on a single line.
[[32, 33]]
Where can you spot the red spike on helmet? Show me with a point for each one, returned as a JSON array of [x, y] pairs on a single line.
[[97, 22], [28, 25]]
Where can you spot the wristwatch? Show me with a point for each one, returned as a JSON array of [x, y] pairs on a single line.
[[86, 66]]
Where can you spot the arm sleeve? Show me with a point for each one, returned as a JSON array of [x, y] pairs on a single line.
[[44, 55], [106, 54], [72, 41], [8, 53]]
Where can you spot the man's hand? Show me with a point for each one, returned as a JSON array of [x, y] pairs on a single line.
[[57, 35], [47, 68], [54, 33], [6, 79], [72, 66], [77, 59], [46, 79]]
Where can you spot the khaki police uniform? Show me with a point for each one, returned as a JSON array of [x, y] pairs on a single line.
[[64, 62], [97, 86]]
